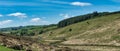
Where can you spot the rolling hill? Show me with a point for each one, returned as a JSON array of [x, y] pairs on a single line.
[[91, 32], [101, 33]]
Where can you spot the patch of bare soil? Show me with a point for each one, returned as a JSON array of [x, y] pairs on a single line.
[[18, 43]]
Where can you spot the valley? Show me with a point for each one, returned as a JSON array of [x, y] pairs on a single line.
[[91, 32]]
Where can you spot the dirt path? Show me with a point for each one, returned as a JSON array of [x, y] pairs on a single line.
[[92, 47]]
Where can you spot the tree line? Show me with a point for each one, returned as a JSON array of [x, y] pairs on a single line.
[[81, 18]]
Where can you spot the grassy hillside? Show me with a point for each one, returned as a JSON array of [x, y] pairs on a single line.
[[104, 30], [98, 26], [98, 33]]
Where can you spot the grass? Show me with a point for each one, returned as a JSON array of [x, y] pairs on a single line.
[[97, 26], [105, 29], [2, 48]]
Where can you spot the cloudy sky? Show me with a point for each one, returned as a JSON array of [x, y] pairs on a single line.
[[40, 12]]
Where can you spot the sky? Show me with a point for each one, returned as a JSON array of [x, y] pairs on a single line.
[[45, 12]]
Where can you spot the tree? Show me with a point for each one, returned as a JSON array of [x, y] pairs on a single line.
[[95, 13]]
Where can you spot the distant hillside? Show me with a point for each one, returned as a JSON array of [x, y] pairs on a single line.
[[28, 30], [87, 25], [101, 33]]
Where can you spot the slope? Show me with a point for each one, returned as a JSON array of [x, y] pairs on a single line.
[[104, 30]]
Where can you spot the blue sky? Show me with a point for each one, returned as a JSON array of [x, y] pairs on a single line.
[[40, 12]]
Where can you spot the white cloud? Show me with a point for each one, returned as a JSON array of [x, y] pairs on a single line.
[[1, 15], [38, 21], [65, 16], [72, 3], [35, 20], [80, 3], [5, 22], [18, 14]]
